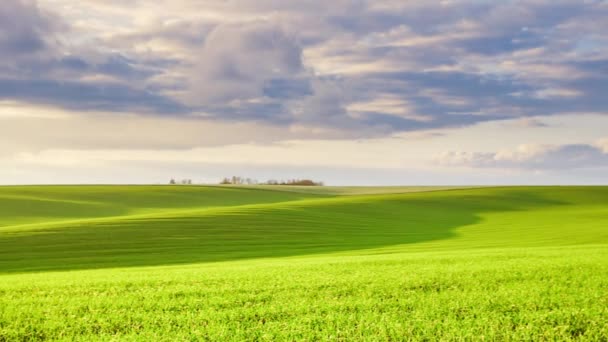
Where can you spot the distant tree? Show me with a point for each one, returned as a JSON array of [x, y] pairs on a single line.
[[300, 182], [306, 182], [250, 181], [172, 181]]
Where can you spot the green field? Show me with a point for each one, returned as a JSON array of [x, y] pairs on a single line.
[[155, 263]]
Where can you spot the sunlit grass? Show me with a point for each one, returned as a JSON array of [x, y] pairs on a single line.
[[239, 264]]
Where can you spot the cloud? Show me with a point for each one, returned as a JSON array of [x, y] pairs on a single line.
[[557, 93], [25, 29], [602, 144], [372, 67], [532, 156], [385, 82], [528, 123], [87, 96], [240, 62], [30, 128], [41, 66]]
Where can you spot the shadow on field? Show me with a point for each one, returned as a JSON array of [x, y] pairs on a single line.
[[40, 204], [289, 229]]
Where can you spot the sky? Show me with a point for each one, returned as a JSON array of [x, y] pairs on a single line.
[[349, 92]]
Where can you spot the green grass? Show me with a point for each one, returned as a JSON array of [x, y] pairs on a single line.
[[228, 263], [43, 204], [346, 190]]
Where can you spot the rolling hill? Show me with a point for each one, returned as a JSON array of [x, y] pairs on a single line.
[[188, 262]]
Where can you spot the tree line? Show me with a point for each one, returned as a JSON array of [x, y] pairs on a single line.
[[236, 180], [182, 182]]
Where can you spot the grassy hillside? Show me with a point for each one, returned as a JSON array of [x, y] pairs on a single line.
[[346, 190], [229, 263], [44, 204]]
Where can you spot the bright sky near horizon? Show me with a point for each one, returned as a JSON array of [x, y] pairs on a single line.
[[361, 92]]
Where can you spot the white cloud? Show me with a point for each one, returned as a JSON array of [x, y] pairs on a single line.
[[27, 128], [463, 158], [18, 110], [289, 153], [556, 92], [527, 123], [602, 144], [531, 156], [523, 153], [390, 105]]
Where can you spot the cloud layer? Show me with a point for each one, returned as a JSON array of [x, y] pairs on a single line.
[[375, 67], [533, 156]]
